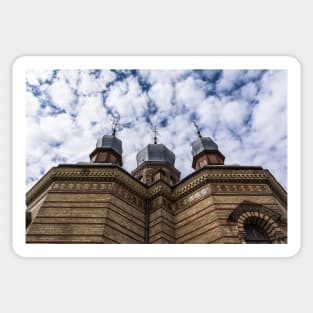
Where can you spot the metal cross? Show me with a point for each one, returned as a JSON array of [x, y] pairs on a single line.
[[197, 128], [116, 126], [156, 133]]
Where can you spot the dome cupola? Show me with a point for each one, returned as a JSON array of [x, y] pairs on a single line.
[[108, 148], [110, 142], [201, 144], [155, 152], [156, 162], [205, 151]]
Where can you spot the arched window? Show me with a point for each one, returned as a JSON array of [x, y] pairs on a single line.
[[255, 234], [257, 224]]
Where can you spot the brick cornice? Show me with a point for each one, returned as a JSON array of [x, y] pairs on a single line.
[[160, 188], [208, 175], [155, 164], [114, 173], [108, 173]]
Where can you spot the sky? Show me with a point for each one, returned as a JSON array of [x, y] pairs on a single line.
[[243, 111]]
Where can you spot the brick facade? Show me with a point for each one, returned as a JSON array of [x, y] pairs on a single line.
[[102, 203]]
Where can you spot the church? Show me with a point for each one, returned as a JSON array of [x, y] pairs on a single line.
[[99, 202]]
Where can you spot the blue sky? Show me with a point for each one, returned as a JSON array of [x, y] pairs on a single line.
[[244, 111]]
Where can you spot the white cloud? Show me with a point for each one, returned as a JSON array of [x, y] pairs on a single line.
[[228, 80], [189, 92], [209, 112], [233, 78], [55, 137], [91, 111], [32, 104], [160, 76], [162, 94], [249, 91], [127, 99], [234, 113], [89, 84], [36, 77], [272, 99], [62, 95]]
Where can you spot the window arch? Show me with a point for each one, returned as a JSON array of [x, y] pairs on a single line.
[[254, 234], [257, 224]]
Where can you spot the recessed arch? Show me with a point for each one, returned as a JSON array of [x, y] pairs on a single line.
[[254, 232], [259, 219]]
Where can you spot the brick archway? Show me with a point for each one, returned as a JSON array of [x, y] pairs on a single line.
[[260, 216]]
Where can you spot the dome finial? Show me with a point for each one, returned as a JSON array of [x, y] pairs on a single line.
[[156, 133], [197, 128], [116, 126]]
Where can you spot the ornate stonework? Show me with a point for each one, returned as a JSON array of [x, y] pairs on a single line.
[[105, 204]]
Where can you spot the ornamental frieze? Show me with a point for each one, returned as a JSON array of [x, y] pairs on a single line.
[[206, 178], [194, 197], [106, 174], [99, 188], [160, 188], [60, 186], [230, 188]]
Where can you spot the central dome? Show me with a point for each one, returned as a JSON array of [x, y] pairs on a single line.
[[155, 152], [110, 142]]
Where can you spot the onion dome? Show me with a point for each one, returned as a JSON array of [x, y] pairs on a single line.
[[205, 151], [155, 163], [155, 152], [108, 148], [203, 144], [110, 142]]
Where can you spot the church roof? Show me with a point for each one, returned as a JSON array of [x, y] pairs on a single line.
[[110, 142], [203, 144], [155, 152]]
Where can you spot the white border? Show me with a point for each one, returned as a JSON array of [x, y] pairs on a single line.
[[156, 62]]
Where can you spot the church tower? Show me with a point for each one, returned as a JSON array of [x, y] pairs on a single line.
[[156, 162], [205, 151], [108, 148]]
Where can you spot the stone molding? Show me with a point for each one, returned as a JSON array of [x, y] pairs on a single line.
[[190, 184], [85, 174], [97, 187], [155, 164], [243, 176]]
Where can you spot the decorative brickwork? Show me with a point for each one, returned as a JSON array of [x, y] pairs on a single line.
[[104, 204]]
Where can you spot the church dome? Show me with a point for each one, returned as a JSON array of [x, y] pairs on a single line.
[[110, 142], [155, 152], [203, 144]]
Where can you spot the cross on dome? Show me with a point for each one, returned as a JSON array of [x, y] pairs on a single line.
[[116, 126], [197, 128], [156, 133]]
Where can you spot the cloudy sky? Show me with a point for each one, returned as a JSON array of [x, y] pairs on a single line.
[[244, 111]]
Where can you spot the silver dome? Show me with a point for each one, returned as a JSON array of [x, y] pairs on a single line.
[[202, 144], [155, 152], [110, 142]]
